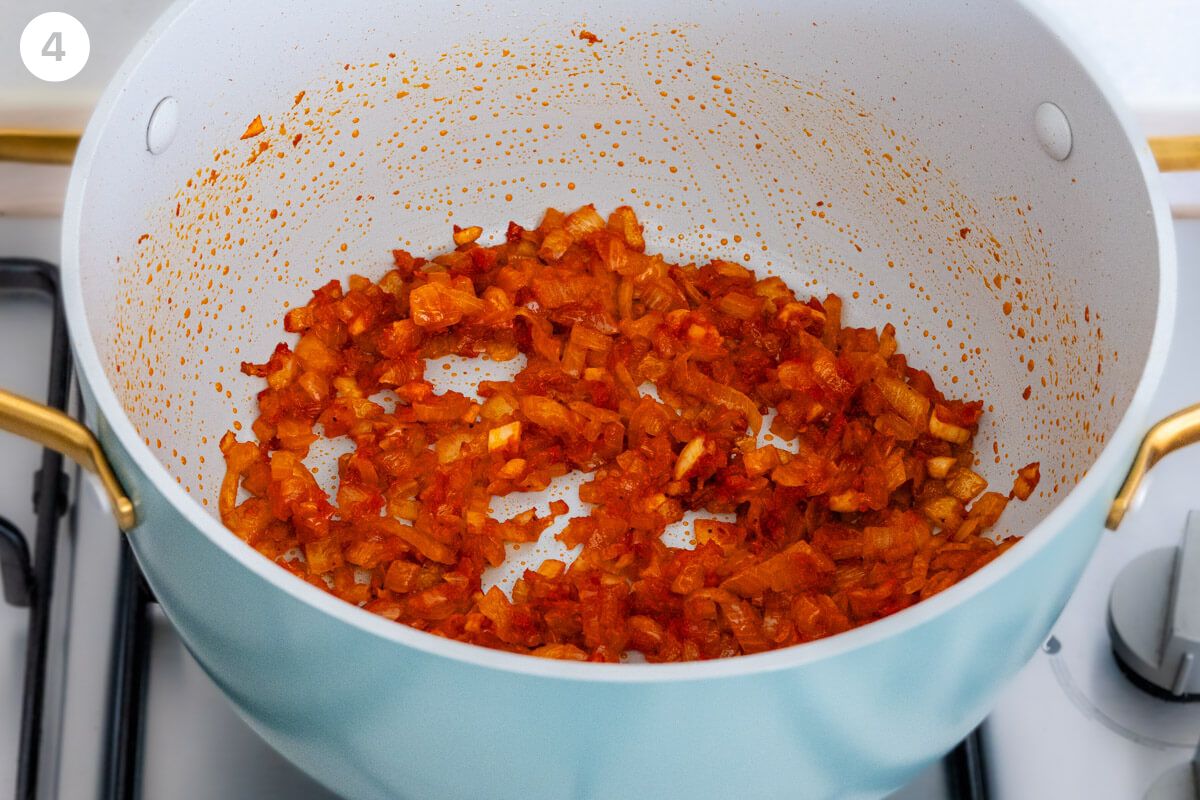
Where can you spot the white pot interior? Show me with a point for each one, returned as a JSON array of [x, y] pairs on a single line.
[[884, 153]]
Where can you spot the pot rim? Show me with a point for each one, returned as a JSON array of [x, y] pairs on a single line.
[[1113, 458]]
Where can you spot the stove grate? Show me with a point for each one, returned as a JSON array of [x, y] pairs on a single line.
[[31, 581]]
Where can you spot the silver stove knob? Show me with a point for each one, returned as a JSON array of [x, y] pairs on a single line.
[[1154, 617]]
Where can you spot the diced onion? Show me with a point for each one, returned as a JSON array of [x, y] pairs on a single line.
[[940, 466], [947, 432], [688, 457], [642, 376]]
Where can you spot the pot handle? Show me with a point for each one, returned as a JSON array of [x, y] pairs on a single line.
[[1176, 153], [52, 428], [38, 146], [1178, 430]]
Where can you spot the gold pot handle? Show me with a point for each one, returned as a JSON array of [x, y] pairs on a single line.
[[38, 146], [1176, 153], [1178, 430], [52, 428]]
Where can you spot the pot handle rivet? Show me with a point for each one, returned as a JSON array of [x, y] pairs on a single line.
[[1053, 131], [163, 125]]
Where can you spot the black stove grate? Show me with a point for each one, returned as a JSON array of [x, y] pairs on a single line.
[[130, 674], [965, 768], [28, 582]]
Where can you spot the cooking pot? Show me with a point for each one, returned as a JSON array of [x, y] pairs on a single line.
[[958, 170]]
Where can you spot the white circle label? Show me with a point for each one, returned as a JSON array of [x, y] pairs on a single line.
[[55, 46]]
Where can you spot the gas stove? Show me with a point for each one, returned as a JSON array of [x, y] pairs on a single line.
[[117, 709]]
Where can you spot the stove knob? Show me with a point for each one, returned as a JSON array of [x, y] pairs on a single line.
[[1154, 618]]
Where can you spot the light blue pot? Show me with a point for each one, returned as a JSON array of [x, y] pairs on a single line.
[[377, 710]]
